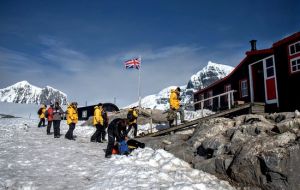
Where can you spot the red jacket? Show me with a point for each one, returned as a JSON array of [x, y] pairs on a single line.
[[50, 114]]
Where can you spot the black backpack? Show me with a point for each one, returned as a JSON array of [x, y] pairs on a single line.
[[40, 111], [130, 116], [104, 116]]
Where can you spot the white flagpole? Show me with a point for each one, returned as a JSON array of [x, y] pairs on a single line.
[[139, 84]]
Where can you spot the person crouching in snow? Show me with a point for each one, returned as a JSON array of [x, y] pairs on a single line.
[[41, 114], [72, 119], [175, 103], [116, 134], [132, 116], [57, 114], [98, 123], [49, 114]]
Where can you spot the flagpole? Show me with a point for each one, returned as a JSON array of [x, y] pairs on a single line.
[[139, 83]]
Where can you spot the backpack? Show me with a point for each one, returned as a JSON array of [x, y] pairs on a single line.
[[105, 118], [130, 116], [134, 144], [123, 148], [40, 111], [46, 114]]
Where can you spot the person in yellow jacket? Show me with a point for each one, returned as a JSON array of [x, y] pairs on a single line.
[[175, 103], [72, 119], [132, 116], [41, 114], [98, 122]]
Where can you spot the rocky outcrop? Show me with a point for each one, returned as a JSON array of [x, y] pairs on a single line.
[[251, 151]]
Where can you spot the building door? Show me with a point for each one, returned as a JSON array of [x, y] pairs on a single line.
[[258, 84], [270, 81], [263, 84]]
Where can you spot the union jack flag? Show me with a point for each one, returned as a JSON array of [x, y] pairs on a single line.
[[133, 63]]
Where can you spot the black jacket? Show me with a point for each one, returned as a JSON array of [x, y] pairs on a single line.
[[117, 128]]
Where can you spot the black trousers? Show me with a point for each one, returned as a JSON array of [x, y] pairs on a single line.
[[49, 127], [69, 134], [42, 122], [111, 142], [104, 133], [99, 134], [134, 125], [56, 127]]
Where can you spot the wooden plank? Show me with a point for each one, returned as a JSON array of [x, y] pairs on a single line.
[[194, 122]]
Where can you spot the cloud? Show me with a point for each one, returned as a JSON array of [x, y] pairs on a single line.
[[101, 79]]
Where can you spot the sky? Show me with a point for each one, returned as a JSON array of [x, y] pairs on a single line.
[[79, 47]]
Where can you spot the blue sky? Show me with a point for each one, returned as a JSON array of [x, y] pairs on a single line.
[[79, 46]]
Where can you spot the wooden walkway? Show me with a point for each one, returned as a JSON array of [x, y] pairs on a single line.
[[249, 108]]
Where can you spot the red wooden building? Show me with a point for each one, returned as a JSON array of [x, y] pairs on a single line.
[[269, 75]]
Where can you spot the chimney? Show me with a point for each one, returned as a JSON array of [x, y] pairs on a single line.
[[253, 45]]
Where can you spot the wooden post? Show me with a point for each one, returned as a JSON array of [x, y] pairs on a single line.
[[219, 102]]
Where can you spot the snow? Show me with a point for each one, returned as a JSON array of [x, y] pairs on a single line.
[[215, 70], [30, 159], [24, 92]]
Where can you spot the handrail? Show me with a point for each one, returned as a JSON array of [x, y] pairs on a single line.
[[230, 100]]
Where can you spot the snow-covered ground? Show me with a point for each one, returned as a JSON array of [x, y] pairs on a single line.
[[30, 159]]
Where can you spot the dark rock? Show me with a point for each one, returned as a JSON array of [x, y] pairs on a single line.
[[214, 146], [278, 117], [222, 164], [208, 166], [292, 125], [207, 130], [183, 151]]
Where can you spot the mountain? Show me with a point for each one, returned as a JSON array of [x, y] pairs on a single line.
[[24, 92], [209, 74], [206, 76]]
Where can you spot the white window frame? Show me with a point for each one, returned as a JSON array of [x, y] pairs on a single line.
[[245, 81], [291, 65], [294, 44]]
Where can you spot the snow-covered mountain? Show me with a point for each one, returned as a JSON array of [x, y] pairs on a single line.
[[23, 92], [209, 74]]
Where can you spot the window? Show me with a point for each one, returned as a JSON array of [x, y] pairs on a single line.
[[84, 114], [270, 67], [244, 88], [294, 48], [227, 87], [210, 94], [295, 65]]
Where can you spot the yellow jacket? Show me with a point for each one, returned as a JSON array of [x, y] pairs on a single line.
[[98, 119], [43, 112], [135, 114], [72, 115], [174, 100]]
